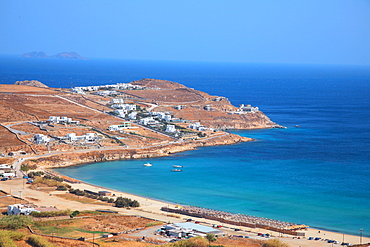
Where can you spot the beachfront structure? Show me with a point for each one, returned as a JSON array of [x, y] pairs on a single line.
[[104, 193], [239, 219], [40, 138], [62, 120], [247, 108], [189, 229], [20, 209], [170, 128]]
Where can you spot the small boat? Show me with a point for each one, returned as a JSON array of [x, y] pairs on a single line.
[[147, 164], [177, 166], [176, 170]]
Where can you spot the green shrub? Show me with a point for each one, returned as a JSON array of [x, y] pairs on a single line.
[[62, 188], [126, 202], [35, 174], [39, 241], [75, 213], [14, 222], [17, 236], [192, 242], [6, 240], [51, 213]]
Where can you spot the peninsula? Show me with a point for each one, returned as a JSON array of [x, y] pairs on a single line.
[[44, 127]]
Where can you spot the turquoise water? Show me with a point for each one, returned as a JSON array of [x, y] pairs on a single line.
[[317, 174]]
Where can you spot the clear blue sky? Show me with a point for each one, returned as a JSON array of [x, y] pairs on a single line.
[[262, 31]]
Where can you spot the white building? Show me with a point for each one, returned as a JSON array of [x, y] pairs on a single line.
[[132, 115], [8, 174], [40, 138], [117, 101], [20, 209], [90, 137], [125, 125], [128, 107], [62, 120], [189, 229], [148, 121], [198, 126], [71, 137], [247, 108], [170, 128], [120, 112], [4, 166], [113, 128]]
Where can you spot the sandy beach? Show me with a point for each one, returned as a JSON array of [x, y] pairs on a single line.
[[151, 209]]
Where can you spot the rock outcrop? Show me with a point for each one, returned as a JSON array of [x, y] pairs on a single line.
[[32, 83]]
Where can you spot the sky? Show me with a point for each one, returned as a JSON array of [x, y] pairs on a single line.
[[262, 31]]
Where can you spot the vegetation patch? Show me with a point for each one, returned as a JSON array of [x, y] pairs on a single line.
[[14, 222], [39, 241]]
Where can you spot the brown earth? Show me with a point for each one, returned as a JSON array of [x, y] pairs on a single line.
[[32, 83]]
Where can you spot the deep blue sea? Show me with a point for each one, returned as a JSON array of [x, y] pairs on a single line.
[[317, 174]]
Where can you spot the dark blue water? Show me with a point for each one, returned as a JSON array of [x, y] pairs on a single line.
[[317, 174]]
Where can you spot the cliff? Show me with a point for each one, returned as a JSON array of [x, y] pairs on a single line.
[[73, 158]]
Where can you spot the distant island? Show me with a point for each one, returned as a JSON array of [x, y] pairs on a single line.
[[62, 55]]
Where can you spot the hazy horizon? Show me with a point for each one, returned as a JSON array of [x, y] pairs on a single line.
[[288, 31]]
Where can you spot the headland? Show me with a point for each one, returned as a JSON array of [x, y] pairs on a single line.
[[45, 128]]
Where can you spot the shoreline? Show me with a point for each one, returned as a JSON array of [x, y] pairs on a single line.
[[151, 208], [314, 230]]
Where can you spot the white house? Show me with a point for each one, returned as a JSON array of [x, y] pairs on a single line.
[[20, 209], [72, 137], [194, 125], [198, 126], [148, 121], [40, 138], [117, 101], [62, 120], [90, 137], [247, 108], [113, 128], [120, 112], [132, 115], [4, 166], [78, 90], [170, 128], [8, 174]]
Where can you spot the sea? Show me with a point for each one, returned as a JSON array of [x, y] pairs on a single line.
[[315, 172]]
